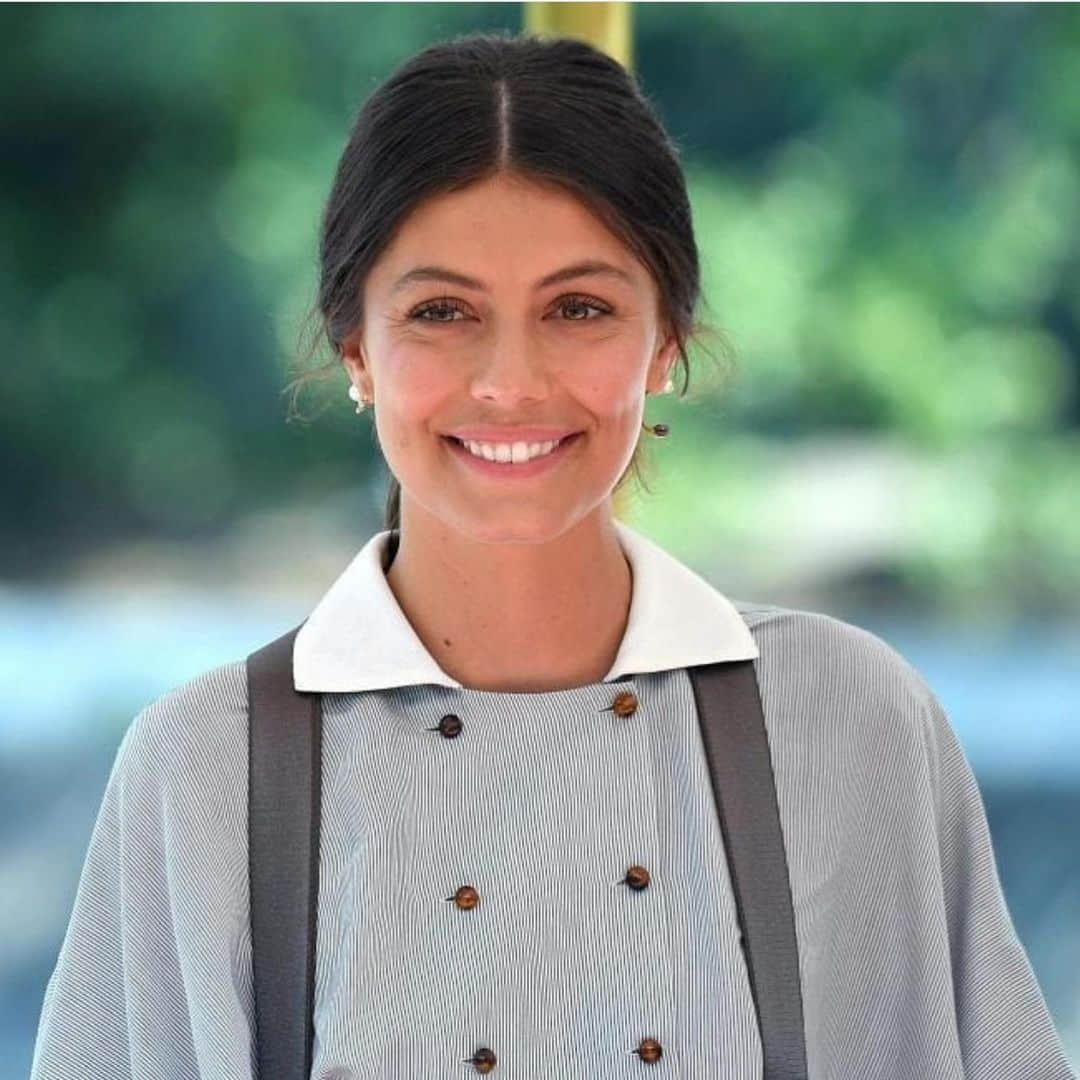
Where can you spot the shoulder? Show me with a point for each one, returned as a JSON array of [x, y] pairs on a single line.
[[196, 731], [815, 648], [814, 663]]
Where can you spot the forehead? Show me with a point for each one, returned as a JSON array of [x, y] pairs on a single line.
[[504, 232]]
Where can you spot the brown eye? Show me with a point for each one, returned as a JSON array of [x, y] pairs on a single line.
[[583, 302], [442, 306], [442, 310]]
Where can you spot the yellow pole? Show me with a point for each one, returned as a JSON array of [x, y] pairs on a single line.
[[605, 25]]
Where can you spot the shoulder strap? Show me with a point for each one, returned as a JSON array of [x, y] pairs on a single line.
[[284, 797], [740, 766], [285, 781]]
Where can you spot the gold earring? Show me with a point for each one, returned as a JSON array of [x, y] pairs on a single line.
[[660, 430]]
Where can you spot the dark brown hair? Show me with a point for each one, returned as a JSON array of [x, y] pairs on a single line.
[[552, 109]]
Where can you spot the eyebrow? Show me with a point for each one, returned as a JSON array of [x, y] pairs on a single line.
[[585, 268]]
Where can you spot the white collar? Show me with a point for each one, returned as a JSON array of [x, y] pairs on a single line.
[[357, 637]]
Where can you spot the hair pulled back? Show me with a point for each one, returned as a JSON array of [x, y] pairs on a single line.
[[555, 110]]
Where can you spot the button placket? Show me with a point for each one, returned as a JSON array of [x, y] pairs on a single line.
[[637, 878]]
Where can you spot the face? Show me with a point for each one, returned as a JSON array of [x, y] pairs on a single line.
[[509, 350]]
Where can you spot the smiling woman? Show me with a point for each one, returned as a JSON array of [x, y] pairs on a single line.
[[514, 357], [489, 193], [544, 800], [490, 288]]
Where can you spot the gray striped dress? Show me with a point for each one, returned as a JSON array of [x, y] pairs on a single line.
[[910, 965]]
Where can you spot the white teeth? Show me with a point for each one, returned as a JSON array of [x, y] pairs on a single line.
[[510, 452]]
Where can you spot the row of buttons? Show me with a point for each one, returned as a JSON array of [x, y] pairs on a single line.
[[484, 1060], [466, 897], [625, 704]]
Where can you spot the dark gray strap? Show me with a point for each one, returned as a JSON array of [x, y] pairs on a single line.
[[740, 765], [285, 782], [284, 795]]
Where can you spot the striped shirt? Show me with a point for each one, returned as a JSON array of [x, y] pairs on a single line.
[[909, 962]]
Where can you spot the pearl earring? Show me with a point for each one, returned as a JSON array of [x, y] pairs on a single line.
[[354, 393]]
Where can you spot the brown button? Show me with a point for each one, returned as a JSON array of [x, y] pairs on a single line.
[[637, 877], [625, 704], [449, 726], [466, 898], [649, 1050], [483, 1061]]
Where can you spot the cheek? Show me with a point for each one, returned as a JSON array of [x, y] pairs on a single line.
[[610, 378], [416, 388], [613, 397]]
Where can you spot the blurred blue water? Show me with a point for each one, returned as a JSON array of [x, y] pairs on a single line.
[[77, 666], [1012, 693]]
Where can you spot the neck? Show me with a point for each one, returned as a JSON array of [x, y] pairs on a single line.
[[514, 617]]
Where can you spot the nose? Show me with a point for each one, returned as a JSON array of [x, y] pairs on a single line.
[[513, 370]]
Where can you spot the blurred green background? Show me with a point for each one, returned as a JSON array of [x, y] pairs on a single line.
[[887, 202], [887, 199]]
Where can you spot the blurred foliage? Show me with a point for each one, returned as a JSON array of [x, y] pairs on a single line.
[[887, 201]]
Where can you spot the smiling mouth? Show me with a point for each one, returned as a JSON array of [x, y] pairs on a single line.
[[509, 466], [528, 442]]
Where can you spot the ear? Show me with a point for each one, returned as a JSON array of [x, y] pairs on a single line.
[[662, 365], [352, 359]]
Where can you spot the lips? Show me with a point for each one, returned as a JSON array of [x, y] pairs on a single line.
[[507, 469], [524, 433], [558, 439]]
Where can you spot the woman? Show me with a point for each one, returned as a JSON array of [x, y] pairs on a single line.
[[515, 874]]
